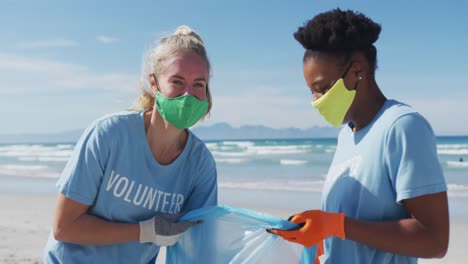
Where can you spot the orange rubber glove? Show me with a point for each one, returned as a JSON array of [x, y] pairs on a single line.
[[316, 226]]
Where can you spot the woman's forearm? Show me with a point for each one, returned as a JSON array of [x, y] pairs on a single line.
[[406, 237], [91, 230]]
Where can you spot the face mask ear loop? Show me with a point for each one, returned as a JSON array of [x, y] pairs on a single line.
[[346, 71], [357, 82], [156, 82]]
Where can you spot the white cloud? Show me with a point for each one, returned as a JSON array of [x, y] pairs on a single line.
[[26, 74], [421, 85], [21, 75], [439, 98], [43, 95], [447, 116], [48, 43], [13, 63], [106, 39]]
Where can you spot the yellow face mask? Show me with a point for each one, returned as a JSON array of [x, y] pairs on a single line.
[[335, 103]]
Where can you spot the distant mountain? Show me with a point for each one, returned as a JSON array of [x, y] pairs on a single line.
[[221, 131], [218, 131]]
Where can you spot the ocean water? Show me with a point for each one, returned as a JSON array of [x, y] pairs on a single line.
[[285, 173]]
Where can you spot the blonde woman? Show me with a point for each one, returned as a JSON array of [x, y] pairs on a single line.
[[134, 173]]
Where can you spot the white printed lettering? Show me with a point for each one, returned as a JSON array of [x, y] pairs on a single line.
[[135, 199], [145, 196], [165, 203], [128, 192], [180, 201], [150, 198], [112, 180], [173, 200], [122, 179], [159, 199]]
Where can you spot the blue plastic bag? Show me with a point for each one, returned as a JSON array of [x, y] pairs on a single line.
[[235, 235]]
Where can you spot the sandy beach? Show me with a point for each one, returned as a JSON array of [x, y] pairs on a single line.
[[26, 220]]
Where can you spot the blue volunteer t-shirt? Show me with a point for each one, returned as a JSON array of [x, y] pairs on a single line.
[[114, 172], [391, 159]]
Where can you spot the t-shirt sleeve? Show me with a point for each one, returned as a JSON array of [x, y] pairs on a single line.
[[205, 190], [81, 177], [411, 158]]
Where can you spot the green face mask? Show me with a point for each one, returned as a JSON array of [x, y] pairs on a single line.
[[335, 103], [183, 111]]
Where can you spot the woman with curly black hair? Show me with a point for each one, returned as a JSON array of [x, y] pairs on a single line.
[[384, 198]]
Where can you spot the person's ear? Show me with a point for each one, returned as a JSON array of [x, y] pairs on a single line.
[[153, 81], [360, 69], [357, 70]]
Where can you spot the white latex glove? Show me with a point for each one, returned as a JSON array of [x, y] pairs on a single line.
[[162, 229]]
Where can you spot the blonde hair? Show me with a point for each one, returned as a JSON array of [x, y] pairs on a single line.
[[184, 39]]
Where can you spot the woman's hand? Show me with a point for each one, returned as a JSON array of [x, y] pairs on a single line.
[[316, 225], [163, 230], [425, 234]]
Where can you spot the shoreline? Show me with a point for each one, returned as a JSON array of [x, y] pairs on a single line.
[[27, 219]]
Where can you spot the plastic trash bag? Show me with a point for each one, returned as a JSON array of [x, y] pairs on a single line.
[[234, 235]]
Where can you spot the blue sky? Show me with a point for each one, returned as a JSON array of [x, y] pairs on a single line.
[[64, 64]]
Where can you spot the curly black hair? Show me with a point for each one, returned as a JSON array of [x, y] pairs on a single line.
[[340, 33]]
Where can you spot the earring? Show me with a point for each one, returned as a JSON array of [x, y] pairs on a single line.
[[360, 77]]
